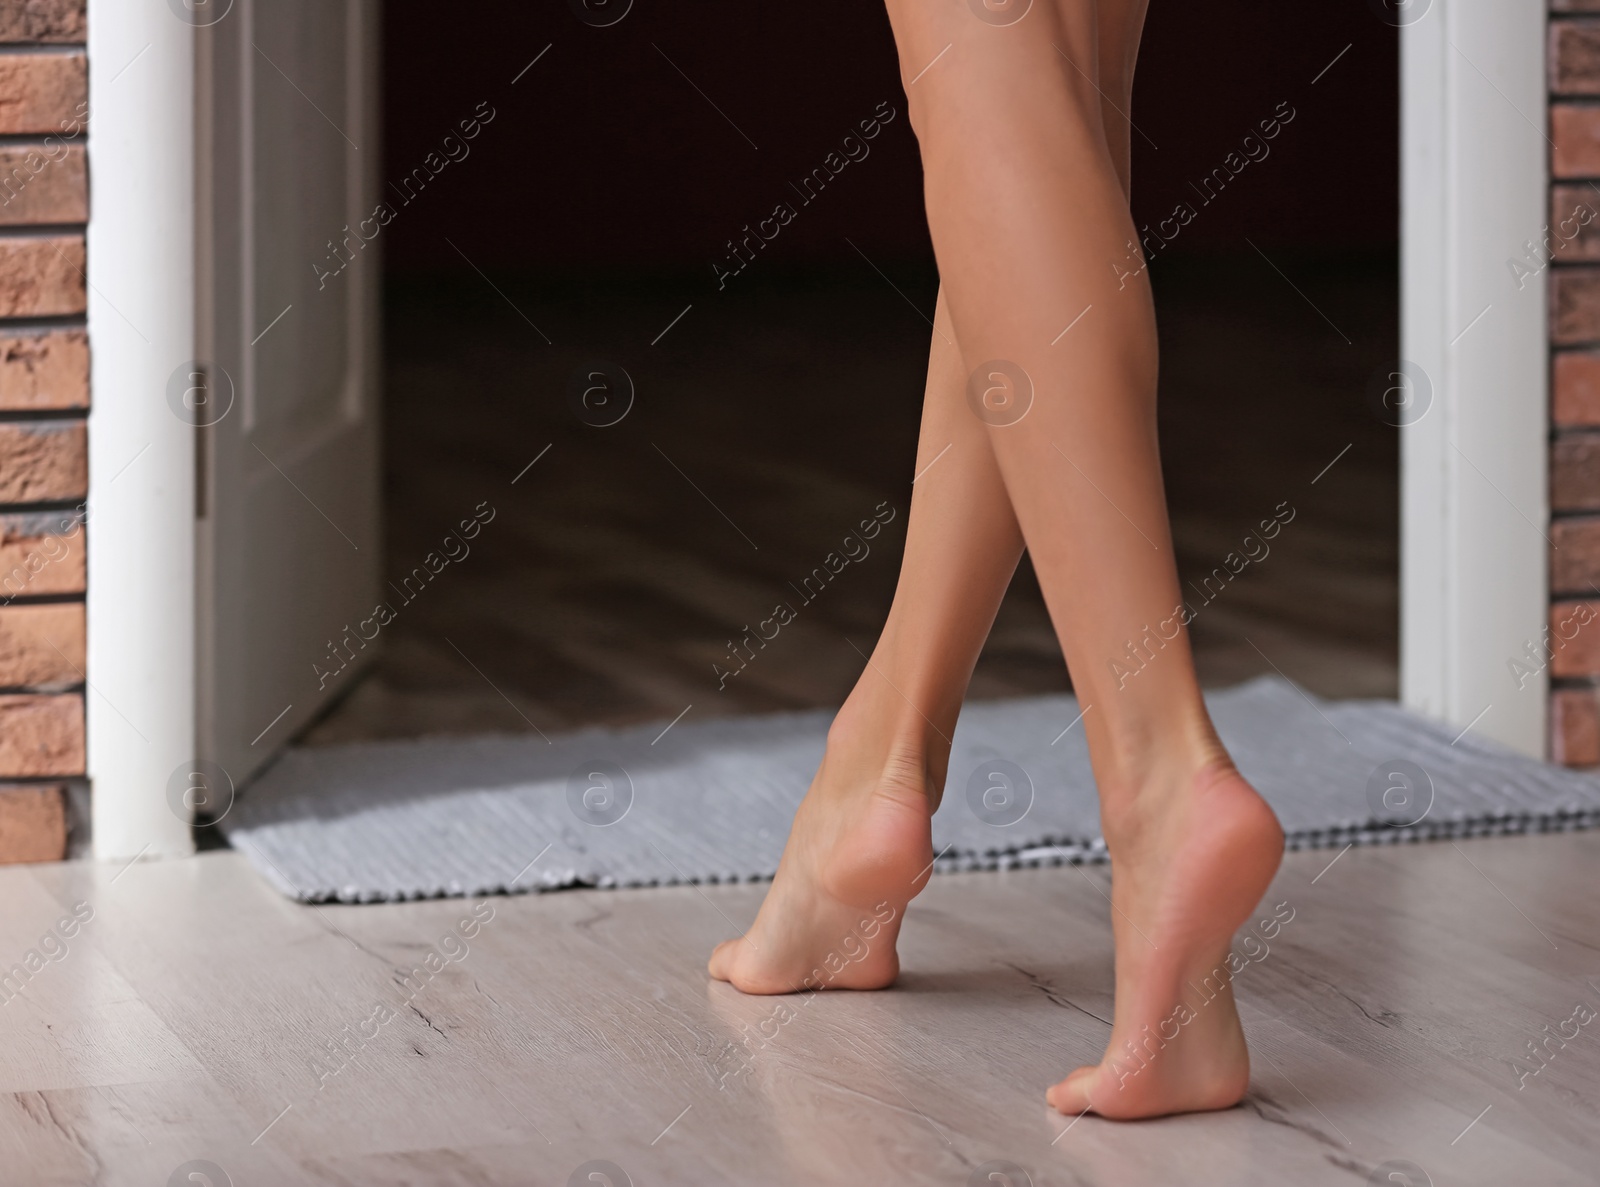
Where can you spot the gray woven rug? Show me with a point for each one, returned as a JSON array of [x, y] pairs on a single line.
[[712, 801]]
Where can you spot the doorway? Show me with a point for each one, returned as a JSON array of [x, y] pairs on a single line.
[[1474, 580], [589, 232]]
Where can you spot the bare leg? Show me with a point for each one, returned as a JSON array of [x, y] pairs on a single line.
[[861, 840], [1194, 846], [1030, 225], [868, 807], [861, 843]]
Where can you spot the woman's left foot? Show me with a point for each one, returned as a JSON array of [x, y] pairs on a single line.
[[860, 848]]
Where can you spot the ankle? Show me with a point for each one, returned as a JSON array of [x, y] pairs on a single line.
[[1134, 803], [895, 751]]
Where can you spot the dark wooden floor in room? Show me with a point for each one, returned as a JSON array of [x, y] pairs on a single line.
[[768, 421]]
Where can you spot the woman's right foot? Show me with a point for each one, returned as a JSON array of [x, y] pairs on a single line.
[[860, 848], [1187, 870]]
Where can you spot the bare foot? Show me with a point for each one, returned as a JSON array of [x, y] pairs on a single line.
[[861, 847], [1188, 869]]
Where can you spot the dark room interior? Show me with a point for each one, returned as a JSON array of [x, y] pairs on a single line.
[[606, 212]]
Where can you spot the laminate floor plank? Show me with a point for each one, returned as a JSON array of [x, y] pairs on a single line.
[[198, 1015], [70, 1018]]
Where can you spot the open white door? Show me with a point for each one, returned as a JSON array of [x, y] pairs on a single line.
[[286, 388]]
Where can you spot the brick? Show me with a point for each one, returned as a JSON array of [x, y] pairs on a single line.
[[42, 92], [41, 275], [43, 183], [33, 823], [42, 647], [1575, 472], [43, 20], [1574, 305], [1575, 132], [41, 735], [41, 371], [1574, 390], [1575, 557], [1574, 57], [43, 459], [1574, 228], [41, 553], [1575, 727], [1575, 639]]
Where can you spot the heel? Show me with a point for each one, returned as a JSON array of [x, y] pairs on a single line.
[[887, 857]]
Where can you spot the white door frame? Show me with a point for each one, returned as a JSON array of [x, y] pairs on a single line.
[[1474, 494], [140, 700], [1473, 502]]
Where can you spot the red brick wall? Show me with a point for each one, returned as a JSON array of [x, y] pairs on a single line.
[[44, 398]]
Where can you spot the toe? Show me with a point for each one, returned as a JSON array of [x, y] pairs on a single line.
[[1071, 1096], [721, 964]]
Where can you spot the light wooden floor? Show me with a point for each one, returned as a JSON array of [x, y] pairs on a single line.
[[183, 1021]]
